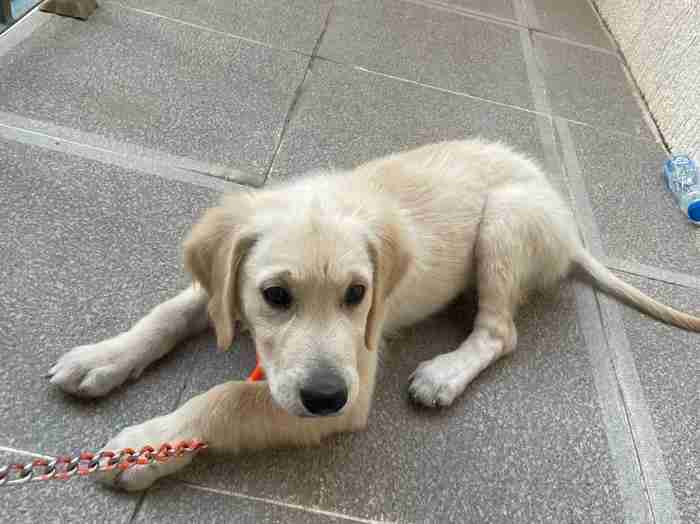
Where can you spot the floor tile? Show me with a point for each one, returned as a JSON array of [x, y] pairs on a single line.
[[173, 502], [345, 117], [524, 443], [589, 86], [637, 216], [155, 83], [573, 19], [74, 501], [430, 45], [287, 24], [87, 249], [669, 371]]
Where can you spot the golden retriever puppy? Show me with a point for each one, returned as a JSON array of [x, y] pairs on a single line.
[[319, 270]]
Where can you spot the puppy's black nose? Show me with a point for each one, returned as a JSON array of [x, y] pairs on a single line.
[[324, 394]]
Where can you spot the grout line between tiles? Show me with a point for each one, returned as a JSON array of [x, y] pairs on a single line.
[[563, 39], [295, 99], [524, 14], [653, 273], [95, 147], [274, 502], [481, 99], [465, 11], [435, 88], [657, 488], [579, 194], [617, 132], [524, 22], [200, 27], [23, 452], [631, 435], [538, 90], [138, 506], [620, 440], [621, 444]]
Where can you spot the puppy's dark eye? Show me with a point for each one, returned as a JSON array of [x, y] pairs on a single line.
[[277, 297], [354, 294]]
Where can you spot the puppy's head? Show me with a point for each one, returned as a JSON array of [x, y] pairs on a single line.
[[310, 281]]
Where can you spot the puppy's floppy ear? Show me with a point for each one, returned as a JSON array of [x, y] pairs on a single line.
[[391, 255], [214, 250]]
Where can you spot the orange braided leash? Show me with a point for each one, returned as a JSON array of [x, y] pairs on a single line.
[[87, 462]]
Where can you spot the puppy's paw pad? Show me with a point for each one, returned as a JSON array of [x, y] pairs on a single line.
[[437, 382], [92, 370]]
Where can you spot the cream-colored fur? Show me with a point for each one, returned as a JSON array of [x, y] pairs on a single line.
[[415, 229]]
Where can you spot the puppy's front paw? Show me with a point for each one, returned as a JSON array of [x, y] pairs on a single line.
[[96, 369], [438, 382], [153, 433]]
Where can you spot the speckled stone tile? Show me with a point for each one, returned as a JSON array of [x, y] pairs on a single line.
[[573, 19], [86, 249], [637, 216], [287, 24], [589, 86], [173, 502], [669, 370], [429, 45], [524, 443], [75, 501], [345, 117], [155, 83]]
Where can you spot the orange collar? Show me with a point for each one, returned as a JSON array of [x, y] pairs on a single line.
[[258, 373]]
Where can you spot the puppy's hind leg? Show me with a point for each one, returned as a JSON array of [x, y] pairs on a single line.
[[95, 369], [521, 246]]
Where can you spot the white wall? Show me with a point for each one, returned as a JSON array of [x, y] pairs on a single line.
[[661, 43]]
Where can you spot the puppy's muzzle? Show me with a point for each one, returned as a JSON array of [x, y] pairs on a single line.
[[324, 393]]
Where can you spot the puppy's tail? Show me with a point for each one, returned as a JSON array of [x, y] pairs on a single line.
[[612, 285]]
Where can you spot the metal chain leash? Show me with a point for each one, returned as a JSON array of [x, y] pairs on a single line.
[[87, 462]]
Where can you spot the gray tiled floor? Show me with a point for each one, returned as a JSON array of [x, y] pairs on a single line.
[[86, 250], [589, 86], [87, 247], [345, 117], [669, 370], [155, 83], [286, 24], [436, 47]]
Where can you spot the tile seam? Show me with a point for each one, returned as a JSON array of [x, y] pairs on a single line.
[[516, 23], [274, 502], [675, 278], [294, 105], [111, 151], [638, 469], [656, 485]]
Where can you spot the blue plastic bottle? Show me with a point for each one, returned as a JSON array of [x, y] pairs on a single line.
[[683, 180]]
